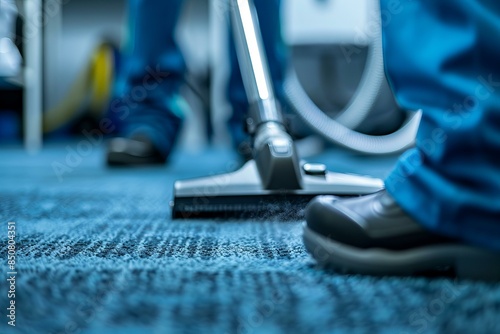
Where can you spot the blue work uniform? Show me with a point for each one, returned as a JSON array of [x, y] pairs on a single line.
[[443, 57], [152, 71]]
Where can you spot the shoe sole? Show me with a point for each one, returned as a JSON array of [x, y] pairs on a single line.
[[125, 159], [467, 261]]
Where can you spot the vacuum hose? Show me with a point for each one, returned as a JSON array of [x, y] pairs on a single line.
[[339, 130]]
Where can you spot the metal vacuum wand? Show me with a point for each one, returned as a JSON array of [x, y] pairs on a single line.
[[274, 178], [274, 151]]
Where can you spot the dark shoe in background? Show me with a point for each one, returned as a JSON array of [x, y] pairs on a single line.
[[135, 151]]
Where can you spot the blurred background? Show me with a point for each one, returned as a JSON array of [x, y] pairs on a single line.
[[60, 59]]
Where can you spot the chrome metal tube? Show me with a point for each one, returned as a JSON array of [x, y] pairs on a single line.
[[253, 63], [273, 150]]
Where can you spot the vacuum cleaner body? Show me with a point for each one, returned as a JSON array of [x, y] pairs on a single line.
[[275, 180]]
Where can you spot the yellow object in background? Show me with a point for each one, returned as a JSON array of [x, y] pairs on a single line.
[[90, 92]]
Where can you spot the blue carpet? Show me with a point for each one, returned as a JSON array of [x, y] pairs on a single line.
[[98, 253]]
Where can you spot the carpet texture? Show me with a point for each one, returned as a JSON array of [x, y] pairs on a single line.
[[98, 253]]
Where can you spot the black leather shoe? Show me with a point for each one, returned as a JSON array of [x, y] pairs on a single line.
[[373, 235], [138, 150]]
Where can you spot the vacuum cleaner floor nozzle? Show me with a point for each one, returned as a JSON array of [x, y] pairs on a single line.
[[240, 194]]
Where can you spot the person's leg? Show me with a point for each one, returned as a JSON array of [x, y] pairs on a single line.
[[270, 25], [441, 57], [147, 89]]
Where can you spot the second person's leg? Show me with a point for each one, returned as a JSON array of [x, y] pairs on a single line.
[[147, 100]]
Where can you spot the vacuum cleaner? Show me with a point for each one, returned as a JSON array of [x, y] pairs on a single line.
[[340, 129], [275, 181]]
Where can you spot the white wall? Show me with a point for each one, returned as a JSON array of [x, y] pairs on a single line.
[[324, 21]]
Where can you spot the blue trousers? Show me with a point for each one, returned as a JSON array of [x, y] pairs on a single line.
[[443, 57], [153, 67]]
